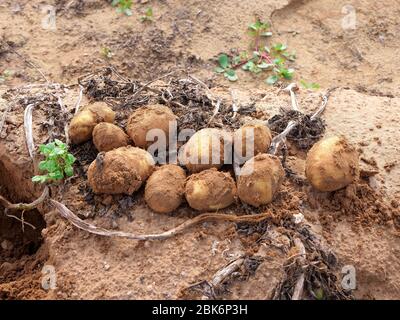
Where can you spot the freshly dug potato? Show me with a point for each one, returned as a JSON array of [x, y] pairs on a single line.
[[121, 170], [257, 134], [332, 164], [83, 123], [146, 118], [210, 190], [108, 136], [260, 179], [165, 188], [207, 148]]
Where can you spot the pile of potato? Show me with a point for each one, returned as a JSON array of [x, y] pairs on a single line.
[[123, 165]]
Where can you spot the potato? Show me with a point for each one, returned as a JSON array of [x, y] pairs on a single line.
[[210, 190], [108, 136], [257, 134], [121, 170], [260, 179], [207, 148], [332, 164], [165, 188], [147, 118], [83, 123]]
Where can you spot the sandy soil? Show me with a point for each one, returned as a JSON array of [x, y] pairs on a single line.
[[360, 224]]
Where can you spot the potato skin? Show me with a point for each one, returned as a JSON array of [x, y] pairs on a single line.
[[209, 141], [144, 119], [120, 171], [210, 190], [332, 164], [108, 136], [165, 188], [262, 180], [261, 139], [83, 123]]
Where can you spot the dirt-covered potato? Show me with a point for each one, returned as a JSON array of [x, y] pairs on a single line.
[[332, 164], [83, 123], [108, 136], [256, 134], [144, 119], [260, 179], [207, 148], [121, 170], [210, 190], [165, 188]]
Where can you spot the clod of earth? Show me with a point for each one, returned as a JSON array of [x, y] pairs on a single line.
[[165, 188], [260, 179], [121, 170], [210, 190], [332, 164], [108, 136], [148, 118], [207, 148], [83, 123]]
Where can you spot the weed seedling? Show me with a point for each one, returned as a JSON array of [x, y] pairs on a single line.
[[261, 58], [5, 75], [309, 85], [106, 52], [148, 15], [123, 6], [57, 163], [226, 68]]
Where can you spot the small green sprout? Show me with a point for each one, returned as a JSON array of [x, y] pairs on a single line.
[[123, 6], [225, 68], [58, 162], [309, 85], [106, 52], [5, 75], [148, 15]]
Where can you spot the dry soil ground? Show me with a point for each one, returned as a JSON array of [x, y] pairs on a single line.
[[360, 224]]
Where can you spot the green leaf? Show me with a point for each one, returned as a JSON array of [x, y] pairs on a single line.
[[56, 175], [69, 171], [70, 158], [286, 73], [279, 61], [248, 65], [265, 66], [115, 3], [219, 70], [39, 179], [272, 79], [223, 61], [231, 75], [279, 47], [128, 12]]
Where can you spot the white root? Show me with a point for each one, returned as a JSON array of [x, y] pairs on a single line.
[[28, 130], [78, 102]]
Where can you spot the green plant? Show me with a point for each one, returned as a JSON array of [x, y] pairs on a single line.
[[123, 6], [106, 52], [225, 68], [5, 75], [309, 85], [148, 15], [261, 57], [58, 162]]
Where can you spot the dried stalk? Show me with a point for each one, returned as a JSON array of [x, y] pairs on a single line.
[[298, 289], [81, 224], [78, 102]]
